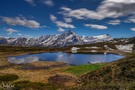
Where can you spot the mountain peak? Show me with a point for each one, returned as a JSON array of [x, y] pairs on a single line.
[[107, 34], [69, 32]]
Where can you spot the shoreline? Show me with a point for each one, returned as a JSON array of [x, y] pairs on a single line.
[[40, 52]]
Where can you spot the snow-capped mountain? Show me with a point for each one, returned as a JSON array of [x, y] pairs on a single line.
[[64, 39], [3, 40], [100, 38]]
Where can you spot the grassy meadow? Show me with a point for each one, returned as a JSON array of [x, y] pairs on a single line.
[[82, 69]]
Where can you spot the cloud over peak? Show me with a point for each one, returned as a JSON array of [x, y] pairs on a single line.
[[64, 25], [61, 24], [61, 30], [68, 20]]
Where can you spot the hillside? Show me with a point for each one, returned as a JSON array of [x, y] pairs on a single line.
[[118, 75]]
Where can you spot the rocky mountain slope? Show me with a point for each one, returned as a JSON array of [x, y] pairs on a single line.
[[65, 39]]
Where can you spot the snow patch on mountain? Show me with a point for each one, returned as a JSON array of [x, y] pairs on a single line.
[[125, 48], [100, 38], [61, 40]]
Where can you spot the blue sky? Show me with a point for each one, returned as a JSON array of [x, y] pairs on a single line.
[[33, 18]]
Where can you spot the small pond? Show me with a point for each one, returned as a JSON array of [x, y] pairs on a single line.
[[69, 58]]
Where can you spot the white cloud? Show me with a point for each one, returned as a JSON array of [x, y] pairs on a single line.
[[64, 25], [10, 30], [68, 20], [61, 24], [21, 21], [114, 22], [130, 19], [49, 2], [116, 8], [107, 9], [61, 30], [53, 18], [81, 13], [32, 24], [121, 1], [95, 26], [66, 9], [133, 29], [31, 2]]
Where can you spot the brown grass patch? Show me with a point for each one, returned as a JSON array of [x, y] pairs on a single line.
[[65, 80], [40, 75]]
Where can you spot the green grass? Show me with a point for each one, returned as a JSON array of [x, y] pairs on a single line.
[[79, 70]]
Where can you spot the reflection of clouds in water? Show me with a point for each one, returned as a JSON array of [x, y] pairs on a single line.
[[97, 58], [23, 60], [104, 58], [78, 59], [94, 62], [74, 59], [66, 58], [100, 59]]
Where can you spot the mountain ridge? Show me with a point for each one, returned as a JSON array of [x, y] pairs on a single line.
[[65, 39]]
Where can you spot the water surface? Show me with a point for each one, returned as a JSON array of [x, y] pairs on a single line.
[[69, 58]]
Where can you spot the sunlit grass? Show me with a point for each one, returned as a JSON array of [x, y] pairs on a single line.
[[79, 70]]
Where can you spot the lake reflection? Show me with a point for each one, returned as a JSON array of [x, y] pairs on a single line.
[[23, 60], [74, 59]]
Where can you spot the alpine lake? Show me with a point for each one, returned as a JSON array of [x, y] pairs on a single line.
[[68, 58]]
